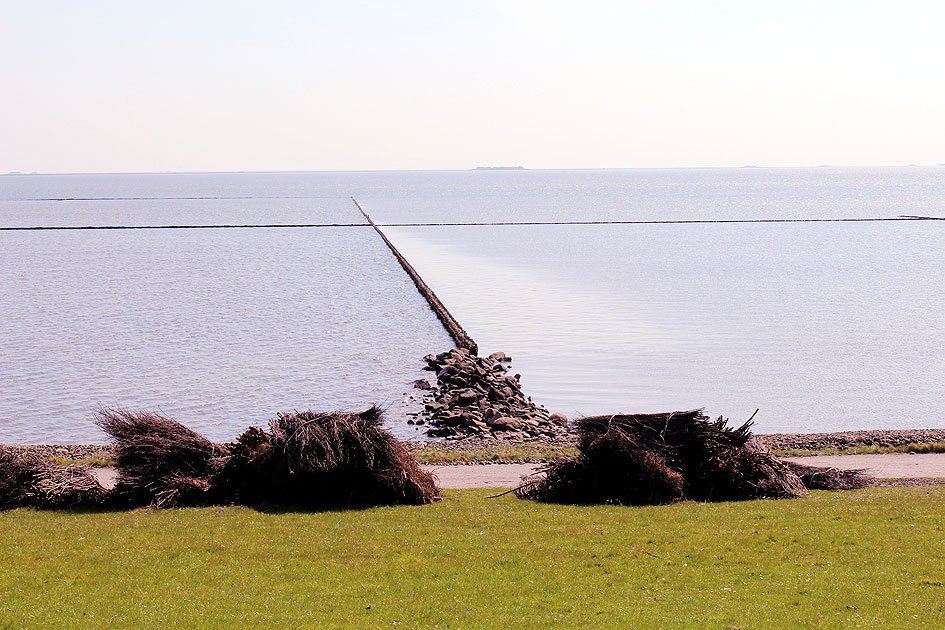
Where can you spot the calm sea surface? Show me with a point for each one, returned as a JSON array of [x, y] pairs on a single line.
[[821, 325]]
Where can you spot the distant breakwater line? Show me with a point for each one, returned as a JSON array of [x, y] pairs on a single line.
[[460, 337], [22, 228], [220, 226]]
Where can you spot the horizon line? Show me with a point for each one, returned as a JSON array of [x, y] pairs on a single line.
[[484, 169]]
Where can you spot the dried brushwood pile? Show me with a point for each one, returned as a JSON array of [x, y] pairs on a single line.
[[160, 462], [476, 396], [69, 487], [317, 460], [661, 458], [830, 478], [30, 481], [18, 476], [323, 460]]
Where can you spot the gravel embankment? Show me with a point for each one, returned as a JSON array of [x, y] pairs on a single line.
[[847, 439], [773, 441], [66, 451]]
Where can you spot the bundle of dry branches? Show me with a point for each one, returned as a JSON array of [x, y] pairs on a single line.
[[27, 480], [18, 476], [661, 458], [324, 460], [829, 478], [68, 487], [318, 460], [160, 462]]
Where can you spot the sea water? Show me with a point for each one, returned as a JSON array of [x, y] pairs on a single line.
[[822, 325], [218, 328]]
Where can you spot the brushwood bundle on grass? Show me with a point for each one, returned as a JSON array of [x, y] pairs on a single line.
[[324, 460], [27, 480], [316, 460], [18, 477], [661, 458], [69, 487], [830, 478], [160, 462]]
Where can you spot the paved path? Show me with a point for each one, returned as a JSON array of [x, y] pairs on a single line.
[[888, 466], [891, 466], [481, 475]]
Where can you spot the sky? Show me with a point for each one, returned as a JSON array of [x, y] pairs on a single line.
[[126, 86]]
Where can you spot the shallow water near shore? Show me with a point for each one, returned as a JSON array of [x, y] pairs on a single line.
[[219, 329], [823, 326]]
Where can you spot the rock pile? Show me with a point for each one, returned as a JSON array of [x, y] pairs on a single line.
[[476, 396]]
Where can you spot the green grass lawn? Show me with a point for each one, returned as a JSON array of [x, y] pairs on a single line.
[[871, 558]]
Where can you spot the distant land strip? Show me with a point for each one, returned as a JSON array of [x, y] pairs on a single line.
[[466, 224]]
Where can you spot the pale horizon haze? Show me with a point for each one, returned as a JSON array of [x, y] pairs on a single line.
[[228, 86]]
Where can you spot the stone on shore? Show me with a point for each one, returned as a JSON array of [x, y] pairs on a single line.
[[475, 396]]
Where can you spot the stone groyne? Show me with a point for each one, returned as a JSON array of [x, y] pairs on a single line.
[[473, 396], [478, 397], [460, 337]]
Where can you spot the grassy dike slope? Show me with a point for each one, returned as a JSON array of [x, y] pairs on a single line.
[[871, 558]]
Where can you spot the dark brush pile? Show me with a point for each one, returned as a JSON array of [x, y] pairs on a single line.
[[27, 480], [18, 476], [661, 458], [830, 478], [69, 487], [322, 460], [316, 460], [160, 462]]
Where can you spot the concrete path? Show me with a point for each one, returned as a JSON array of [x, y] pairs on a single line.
[[890, 466], [463, 476], [481, 475], [106, 475]]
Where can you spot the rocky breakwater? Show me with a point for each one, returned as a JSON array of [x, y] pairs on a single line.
[[478, 397]]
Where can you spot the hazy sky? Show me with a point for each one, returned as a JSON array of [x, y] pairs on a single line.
[[180, 86]]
